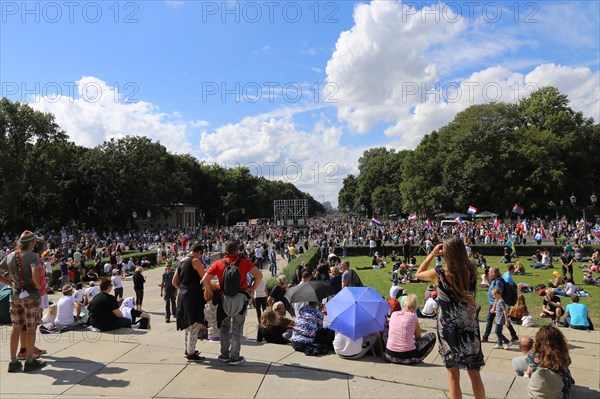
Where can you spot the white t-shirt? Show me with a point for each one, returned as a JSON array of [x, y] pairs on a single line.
[[91, 292], [64, 313], [430, 307], [345, 346], [107, 268], [116, 280], [570, 289], [260, 290], [394, 291], [78, 295]]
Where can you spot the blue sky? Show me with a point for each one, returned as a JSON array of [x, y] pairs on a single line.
[[362, 68]]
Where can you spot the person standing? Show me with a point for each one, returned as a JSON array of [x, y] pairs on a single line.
[[273, 260], [20, 270], [117, 283], [496, 282], [231, 311], [566, 260], [458, 327], [138, 286], [168, 292], [190, 301]]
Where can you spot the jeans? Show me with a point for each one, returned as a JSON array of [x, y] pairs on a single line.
[[230, 345], [567, 323], [489, 321], [273, 269], [169, 297], [501, 338]]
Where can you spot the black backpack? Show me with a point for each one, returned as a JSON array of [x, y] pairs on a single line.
[[231, 278], [509, 294]]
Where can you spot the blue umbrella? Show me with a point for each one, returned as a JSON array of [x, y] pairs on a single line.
[[357, 312]]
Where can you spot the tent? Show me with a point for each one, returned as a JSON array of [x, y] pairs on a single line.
[[486, 214]]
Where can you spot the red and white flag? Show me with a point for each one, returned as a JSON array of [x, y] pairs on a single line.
[[496, 223], [543, 232]]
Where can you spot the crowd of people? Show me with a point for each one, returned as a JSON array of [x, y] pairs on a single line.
[[202, 294]]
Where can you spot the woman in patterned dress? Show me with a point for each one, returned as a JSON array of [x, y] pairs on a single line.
[[458, 326]]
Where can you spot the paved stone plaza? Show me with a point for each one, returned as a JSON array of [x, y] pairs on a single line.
[[150, 364]]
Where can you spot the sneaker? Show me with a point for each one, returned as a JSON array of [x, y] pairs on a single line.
[[13, 367], [167, 320], [195, 357], [38, 351], [506, 346], [196, 352], [23, 356], [34, 365], [237, 360], [224, 358], [498, 346], [484, 339]]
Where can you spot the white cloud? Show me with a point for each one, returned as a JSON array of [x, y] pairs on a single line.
[[273, 146], [391, 64], [99, 112]]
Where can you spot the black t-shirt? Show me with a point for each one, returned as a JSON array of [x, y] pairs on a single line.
[[277, 293], [138, 281], [167, 279], [555, 299], [101, 310], [566, 259]]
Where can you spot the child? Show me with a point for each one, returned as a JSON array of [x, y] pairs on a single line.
[[210, 314], [499, 308], [518, 311]]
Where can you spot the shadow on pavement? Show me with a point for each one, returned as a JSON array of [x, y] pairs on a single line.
[[80, 371]]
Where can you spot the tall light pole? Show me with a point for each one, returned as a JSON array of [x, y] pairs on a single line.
[[593, 199]]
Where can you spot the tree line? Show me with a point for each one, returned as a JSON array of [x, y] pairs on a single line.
[[536, 153], [49, 181]]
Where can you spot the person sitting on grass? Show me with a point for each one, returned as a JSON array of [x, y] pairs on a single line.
[[518, 311], [577, 316], [519, 268], [552, 307]]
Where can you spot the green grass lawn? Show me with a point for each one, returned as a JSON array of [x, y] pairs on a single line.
[[381, 280]]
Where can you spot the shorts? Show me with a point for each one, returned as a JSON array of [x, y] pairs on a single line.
[[25, 312]]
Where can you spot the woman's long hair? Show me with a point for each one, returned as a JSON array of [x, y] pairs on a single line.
[[550, 345], [269, 319], [461, 269]]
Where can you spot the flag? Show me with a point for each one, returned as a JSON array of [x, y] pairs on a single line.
[[375, 221], [518, 210], [428, 224], [543, 232], [496, 223], [412, 217], [472, 210], [459, 221], [510, 243], [525, 226]]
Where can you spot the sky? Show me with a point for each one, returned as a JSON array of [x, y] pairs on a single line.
[[294, 90]]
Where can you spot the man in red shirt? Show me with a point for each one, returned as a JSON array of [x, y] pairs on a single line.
[[232, 309]]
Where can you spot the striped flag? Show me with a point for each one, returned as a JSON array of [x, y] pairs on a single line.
[[376, 221], [412, 217], [496, 223], [525, 226], [543, 232], [459, 221], [518, 209], [472, 210]]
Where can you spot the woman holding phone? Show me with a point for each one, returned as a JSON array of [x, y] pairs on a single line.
[[458, 326]]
